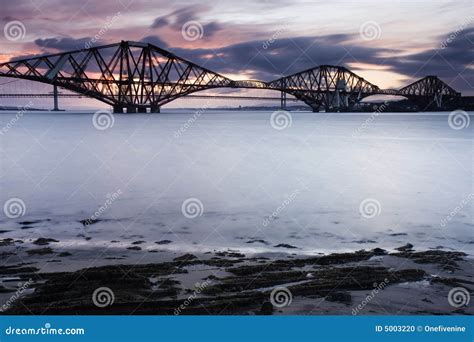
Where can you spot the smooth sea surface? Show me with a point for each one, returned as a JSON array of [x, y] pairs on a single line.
[[253, 187]]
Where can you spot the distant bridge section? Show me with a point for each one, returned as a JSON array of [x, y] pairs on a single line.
[[136, 76]]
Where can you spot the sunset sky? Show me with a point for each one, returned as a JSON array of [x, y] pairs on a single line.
[[391, 43]]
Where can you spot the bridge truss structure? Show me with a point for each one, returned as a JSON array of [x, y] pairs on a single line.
[[136, 76]]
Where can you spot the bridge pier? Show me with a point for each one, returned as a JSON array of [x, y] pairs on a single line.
[[118, 109], [55, 95], [155, 109], [141, 110], [131, 109], [283, 100]]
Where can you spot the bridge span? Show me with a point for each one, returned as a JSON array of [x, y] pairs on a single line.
[[135, 76]]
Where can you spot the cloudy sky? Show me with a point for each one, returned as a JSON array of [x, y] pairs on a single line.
[[389, 43]]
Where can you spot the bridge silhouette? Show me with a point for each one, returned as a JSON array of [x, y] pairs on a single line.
[[137, 76]]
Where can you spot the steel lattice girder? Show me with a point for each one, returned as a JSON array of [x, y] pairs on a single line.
[[320, 86], [126, 73], [428, 86], [143, 75]]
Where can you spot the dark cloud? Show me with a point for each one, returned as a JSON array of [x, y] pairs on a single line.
[[267, 60], [154, 40], [271, 59], [178, 18], [63, 44], [451, 59]]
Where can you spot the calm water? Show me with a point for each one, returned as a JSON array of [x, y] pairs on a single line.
[[310, 178]]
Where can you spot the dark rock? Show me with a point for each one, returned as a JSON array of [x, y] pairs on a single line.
[[29, 223], [40, 251], [138, 242], [64, 254], [89, 222], [266, 309], [258, 240], [379, 251], [446, 260], [163, 242], [185, 257], [134, 248], [284, 245], [341, 297], [7, 242], [44, 241], [230, 254], [405, 248]]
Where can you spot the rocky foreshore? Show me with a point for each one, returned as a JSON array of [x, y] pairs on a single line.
[[363, 282]]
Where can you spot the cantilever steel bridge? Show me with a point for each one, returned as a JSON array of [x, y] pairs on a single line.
[[137, 76]]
